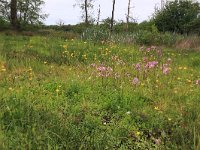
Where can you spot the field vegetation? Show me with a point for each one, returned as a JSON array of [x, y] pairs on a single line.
[[61, 93], [102, 83]]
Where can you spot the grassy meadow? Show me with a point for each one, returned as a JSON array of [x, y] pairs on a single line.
[[70, 94]]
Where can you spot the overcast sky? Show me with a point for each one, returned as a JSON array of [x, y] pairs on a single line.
[[64, 10]]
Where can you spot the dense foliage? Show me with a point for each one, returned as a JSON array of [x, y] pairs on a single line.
[[179, 16], [28, 12]]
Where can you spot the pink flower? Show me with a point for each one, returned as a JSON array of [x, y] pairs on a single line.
[[135, 81], [159, 53], [145, 59], [151, 64], [93, 65], [104, 71], [166, 70], [148, 49], [138, 66], [197, 82]]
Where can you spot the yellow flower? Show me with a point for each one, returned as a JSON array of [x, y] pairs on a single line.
[[30, 69], [138, 133], [57, 90], [3, 69], [156, 108], [185, 68], [169, 119], [10, 88]]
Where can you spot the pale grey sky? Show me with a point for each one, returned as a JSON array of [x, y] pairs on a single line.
[[64, 10]]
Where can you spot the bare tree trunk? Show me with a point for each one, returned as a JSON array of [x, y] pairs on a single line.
[[128, 14], [13, 13], [112, 19], [99, 13], [86, 12]]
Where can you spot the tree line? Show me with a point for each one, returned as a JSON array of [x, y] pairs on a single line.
[[178, 16]]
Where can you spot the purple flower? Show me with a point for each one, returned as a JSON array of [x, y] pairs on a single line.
[[138, 66], [135, 81], [151, 64]]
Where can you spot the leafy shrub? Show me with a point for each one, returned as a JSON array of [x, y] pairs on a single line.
[[3, 24]]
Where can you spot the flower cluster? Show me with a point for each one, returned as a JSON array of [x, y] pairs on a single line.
[[104, 71]]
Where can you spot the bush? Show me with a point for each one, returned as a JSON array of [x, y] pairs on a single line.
[[3, 24]]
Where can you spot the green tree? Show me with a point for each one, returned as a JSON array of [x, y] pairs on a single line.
[[175, 15], [22, 12]]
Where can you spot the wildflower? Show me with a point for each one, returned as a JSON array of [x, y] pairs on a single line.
[[169, 60], [189, 81], [135, 81], [153, 47], [30, 69], [10, 88], [138, 66], [104, 71], [148, 49], [156, 108], [93, 65], [45, 62], [197, 82], [169, 119], [3, 69], [128, 112], [185, 68], [117, 75], [138, 133], [57, 90], [159, 53], [151, 64], [166, 70], [145, 59]]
